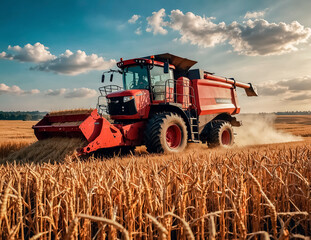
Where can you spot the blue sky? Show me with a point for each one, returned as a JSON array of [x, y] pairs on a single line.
[[264, 42]]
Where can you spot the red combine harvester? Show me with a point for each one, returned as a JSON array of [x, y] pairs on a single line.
[[163, 105]]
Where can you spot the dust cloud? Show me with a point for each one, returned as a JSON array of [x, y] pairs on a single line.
[[259, 129]]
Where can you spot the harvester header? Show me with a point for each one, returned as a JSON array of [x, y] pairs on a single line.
[[163, 103]]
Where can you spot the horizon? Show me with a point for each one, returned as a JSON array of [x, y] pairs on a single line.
[[53, 53]]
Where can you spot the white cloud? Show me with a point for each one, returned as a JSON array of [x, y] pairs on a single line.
[[258, 14], [81, 93], [197, 30], [297, 84], [32, 91], [156, 23], [299, 97], [251, 37], [297, 89], [29, 53], [56, 92], [67, 63], [3, 55], [138, 31], [133, 19], [271, 89], [75, 63], [16, 90], [259, 37], [72, 93]]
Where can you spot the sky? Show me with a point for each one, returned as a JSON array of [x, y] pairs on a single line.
[[53, 53]]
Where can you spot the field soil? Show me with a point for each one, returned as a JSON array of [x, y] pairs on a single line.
[[299, 125], [17, 131]]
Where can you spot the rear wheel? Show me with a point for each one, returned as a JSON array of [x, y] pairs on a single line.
[[220, 133], [166, 132]]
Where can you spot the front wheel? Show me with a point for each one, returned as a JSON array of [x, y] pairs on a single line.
[[166, 132]]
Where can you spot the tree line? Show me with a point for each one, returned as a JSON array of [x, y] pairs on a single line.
[[25, 116], [294, 113]]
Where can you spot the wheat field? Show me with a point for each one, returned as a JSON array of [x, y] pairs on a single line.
[[249, 192]]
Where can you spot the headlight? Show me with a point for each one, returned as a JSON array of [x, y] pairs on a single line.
[[128, 98]]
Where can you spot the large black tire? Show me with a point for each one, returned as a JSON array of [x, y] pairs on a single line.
[[166, 132], [219, 133]]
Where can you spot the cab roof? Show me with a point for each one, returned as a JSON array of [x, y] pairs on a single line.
[[181, 64]]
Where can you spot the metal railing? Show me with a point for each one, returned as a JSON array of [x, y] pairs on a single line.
[[102, 108], [171, 95]]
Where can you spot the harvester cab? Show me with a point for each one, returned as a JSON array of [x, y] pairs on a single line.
[[162, 104]]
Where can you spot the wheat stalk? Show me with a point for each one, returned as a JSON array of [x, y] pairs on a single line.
[[159, 226], [187, 228], [118, 226]]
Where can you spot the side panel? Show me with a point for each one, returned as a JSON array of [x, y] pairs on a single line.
[[215, 97], [92, 126]]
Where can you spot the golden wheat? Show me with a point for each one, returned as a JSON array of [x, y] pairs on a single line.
[[244, 193], [238, 193]]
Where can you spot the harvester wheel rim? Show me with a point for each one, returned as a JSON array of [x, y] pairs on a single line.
[[225, 137], [173, 136]]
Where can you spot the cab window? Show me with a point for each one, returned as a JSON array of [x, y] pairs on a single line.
[[158, 81]]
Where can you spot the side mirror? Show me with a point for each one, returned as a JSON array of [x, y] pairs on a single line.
[[166, 67], [103, 78], [111, 77], [151, 66]]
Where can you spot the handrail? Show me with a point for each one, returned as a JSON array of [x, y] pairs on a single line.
[[171, 83], [104, 91]]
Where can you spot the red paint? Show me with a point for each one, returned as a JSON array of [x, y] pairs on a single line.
[[125, 93], [53, 126], [147, 61], [112, 135], [206, 94], [142, 101], [134, 133], [183, 91], [173, 136], [225, 137], [226, 80]]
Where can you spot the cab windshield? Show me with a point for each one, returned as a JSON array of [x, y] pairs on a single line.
[[135, 77]]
